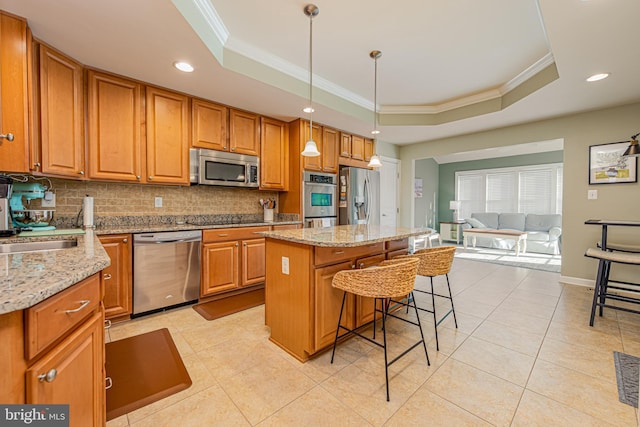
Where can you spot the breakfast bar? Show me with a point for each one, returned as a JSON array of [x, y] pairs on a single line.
[[301, 306]]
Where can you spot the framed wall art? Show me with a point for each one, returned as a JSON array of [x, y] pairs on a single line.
[[607, 165]]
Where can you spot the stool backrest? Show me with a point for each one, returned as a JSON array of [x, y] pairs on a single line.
[[435, 261], [392, 278]]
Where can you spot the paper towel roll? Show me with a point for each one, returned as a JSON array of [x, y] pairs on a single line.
[[88, 212]]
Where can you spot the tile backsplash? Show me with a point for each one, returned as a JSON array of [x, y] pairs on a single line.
[[120, 199]]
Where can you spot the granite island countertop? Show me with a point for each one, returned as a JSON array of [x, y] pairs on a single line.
[[157, 228], [345, 235], [27, 278]]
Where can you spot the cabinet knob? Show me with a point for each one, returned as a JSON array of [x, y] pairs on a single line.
[[7, 136], [125, 240], [37, 165], [233, 149], [353, 266], [81, 173], [48, 377], [245, 243], [361, 265], [108, 383], [138, 177], [150, 178], [107, 323], [106, 276], [236, 244]]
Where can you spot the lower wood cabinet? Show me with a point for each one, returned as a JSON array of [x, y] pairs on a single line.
[[117, 278], [232, 258], [327, 302]]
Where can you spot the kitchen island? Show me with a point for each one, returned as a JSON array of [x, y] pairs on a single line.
[[301, 306]]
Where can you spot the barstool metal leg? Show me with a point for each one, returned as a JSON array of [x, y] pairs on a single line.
[[435, 321], [424, 343], [455, 320], [596, 291], [333, 353], [385, 307]]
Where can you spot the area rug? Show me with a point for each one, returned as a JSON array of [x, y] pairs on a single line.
[[222, 307], [627, 376], [497, 256], [143, 369]]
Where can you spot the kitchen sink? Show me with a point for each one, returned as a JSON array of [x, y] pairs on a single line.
[[47, 245]]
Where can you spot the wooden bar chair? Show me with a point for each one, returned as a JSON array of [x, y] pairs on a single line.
[[602, 288], [387, 282], [436, 262]]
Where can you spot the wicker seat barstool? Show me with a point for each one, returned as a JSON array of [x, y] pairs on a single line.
[[436, 262], [386, 282]]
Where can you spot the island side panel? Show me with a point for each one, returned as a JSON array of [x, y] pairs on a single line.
[[287, 296]]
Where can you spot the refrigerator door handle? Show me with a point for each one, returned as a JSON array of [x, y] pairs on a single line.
[[367, 192]]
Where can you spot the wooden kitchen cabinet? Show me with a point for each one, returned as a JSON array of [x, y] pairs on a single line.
[[244, 132], [327, 303], [311, 163], [116, 139], [357, 147], [368, 149], [232, 259], [274, 154], [209, 125], [15, 66], [117, 278], [364, 306], [345, 145], [167, 119], [326, 139], [330, 143], [79, 379], [61, 113]]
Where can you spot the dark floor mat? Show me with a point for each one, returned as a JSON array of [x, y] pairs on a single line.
[[218, 308], [627, 376], [143, 369]]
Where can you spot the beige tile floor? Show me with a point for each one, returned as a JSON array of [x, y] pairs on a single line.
[[523, 355]]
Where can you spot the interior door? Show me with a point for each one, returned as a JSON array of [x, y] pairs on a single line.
[[389, 181]]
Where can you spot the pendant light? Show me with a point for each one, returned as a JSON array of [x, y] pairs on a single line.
[[310, 148], [633, 149], [374, 162]]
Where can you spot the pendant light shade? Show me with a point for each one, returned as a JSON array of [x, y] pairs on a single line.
[[374, 162], [310, 148], [633, 150]]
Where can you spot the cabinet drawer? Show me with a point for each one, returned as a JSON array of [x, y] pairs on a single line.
[[325, 255], [51, 319], [238, 233], [393, 245], [399, 252]]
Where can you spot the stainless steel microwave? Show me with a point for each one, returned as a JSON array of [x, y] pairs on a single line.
[[210, 167]]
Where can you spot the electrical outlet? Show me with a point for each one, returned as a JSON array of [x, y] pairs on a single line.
[[592, 194], [158, 202], [285, 265], [49, 201]]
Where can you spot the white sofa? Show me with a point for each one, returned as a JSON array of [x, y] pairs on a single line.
[[544, 232]]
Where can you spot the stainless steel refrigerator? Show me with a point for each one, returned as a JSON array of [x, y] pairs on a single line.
[[359, 196]]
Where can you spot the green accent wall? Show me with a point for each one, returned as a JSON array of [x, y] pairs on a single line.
[[447, 174]]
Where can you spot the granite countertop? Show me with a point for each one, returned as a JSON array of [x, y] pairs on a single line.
[[346, 235], [124, 229], [30, 277]]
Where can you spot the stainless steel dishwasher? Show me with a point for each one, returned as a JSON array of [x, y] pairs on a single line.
[[166, 270]]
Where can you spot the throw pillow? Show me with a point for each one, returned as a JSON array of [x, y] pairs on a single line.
[[475, 223]]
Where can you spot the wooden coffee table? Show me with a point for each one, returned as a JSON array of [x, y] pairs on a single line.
[[520, 237]]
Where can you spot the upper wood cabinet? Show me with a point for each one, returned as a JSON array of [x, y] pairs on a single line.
[[274, 154], [209, 125], [61, 115], [15, 64], [330, 144], [345, 145], [357, 147], [167, 115], [312, 163], [115, 143], [244, 129], [368, 149]]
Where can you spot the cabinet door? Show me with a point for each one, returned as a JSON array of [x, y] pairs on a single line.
[[244, 131], [253, 261], [274, 157], [312, 163], [61, 114], [14, 100], [115, 115], [357, 147], [329, 150], [219, 267], [345, 145], [364, 305], [117, 277], [209, 125], [78, 363], [368, 149], [167, 137], [327, 301]]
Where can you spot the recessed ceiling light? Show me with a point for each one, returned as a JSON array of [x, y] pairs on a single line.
[[597, 77], [375, 132], [183, 66], [308, 110]]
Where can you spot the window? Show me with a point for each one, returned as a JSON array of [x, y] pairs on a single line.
[[526, 189]]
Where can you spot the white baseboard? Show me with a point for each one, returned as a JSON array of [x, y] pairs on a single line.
[[577, 281]]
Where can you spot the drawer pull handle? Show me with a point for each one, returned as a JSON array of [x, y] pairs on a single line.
[[107, 323], [106, 276], [48, 377], [83, 304], [108, 383], [338, 252], [222, 234]]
